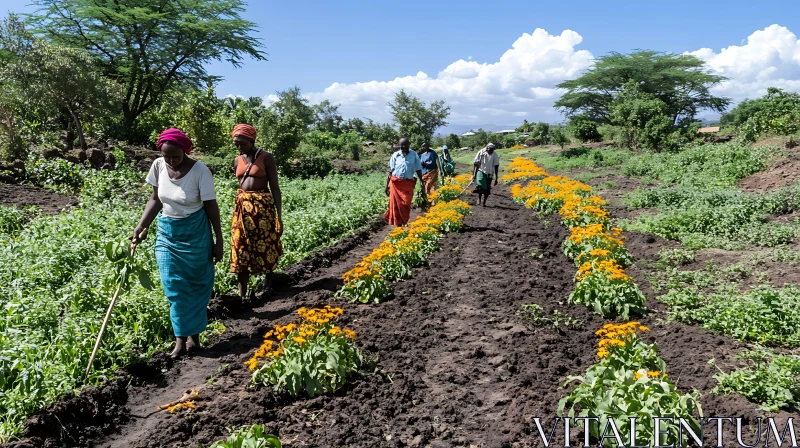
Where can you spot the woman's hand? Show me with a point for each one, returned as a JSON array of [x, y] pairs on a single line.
[[280, 226], [139, 235], [387, 190], [217, 251]]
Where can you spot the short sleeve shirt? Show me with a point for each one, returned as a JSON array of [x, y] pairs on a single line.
[[486, 162], [405, 167], [184, 196], [428, 160]]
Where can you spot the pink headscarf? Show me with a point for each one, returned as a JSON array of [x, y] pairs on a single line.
[[176, 136]]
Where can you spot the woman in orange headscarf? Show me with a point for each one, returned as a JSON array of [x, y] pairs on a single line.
[[257, 222]]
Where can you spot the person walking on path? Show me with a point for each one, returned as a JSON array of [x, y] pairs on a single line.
[[400, 183], [430, 169], [185, 203], [486, 167], [257, 223], [447, 164]]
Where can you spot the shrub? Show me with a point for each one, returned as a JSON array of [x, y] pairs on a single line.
[[603, 286], [584, 129], [316, 357]]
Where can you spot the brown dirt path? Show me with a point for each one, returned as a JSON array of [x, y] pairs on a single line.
[[457, 365], [24, 195]]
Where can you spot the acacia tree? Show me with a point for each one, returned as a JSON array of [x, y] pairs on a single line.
[[415, 119], [680, 81], [150, 46]]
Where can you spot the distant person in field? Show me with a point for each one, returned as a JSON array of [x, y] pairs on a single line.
[[430, 168], [486, 167], [257, 223], [446, 162], [400, 183], [183, 193]]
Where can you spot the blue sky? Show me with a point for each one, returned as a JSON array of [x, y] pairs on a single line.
[[315, 44]]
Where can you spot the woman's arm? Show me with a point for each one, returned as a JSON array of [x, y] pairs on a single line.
[[274, 187], [151, 210], [212, 210]]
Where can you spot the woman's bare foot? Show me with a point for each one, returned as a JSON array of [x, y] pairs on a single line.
[[180, 348], [193, 343]]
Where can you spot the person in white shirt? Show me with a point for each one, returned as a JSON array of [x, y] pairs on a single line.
[[185, 203], [486, 167]]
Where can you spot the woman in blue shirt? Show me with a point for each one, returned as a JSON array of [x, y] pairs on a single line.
[[400, 183], [430, 168]]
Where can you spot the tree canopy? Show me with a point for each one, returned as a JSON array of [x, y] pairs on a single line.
[[417, 120], [148, 46], [680, 81]]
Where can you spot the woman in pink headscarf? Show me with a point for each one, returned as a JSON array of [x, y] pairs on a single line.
[[185, 203]]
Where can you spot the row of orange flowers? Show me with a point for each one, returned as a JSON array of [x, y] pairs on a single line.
[[407, 246], [594, 244]]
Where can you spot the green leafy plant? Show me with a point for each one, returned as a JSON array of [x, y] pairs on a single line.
[[604, 287], [252, 437], [676, 257], [771, 380], [629, 380], [315, 357]]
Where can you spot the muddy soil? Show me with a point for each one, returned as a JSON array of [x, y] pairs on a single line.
[[457, 364], [48, 202]]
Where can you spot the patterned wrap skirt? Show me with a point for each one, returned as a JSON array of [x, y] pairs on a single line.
[[255, 234]]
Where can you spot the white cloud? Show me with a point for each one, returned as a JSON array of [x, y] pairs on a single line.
[[768, 58], [521, 83]]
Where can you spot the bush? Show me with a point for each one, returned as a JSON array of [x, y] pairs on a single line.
[[574, 152], [315, 357], [584, 129]]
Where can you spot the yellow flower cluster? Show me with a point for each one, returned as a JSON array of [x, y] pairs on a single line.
[[521, 168], [315, 322], [609, 268], [453, 188], [613, 235], [409, 238], [650, 374], [617, 336]]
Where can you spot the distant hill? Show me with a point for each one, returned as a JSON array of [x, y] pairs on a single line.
[[462, 128]]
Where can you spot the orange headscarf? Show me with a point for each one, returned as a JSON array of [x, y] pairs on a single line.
[[244, 130]]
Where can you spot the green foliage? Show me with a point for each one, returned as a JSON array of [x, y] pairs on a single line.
[[609, 296], [416, 120], [200, 118], [453, 142], [676, 257], [149, 46], [573, 152], [537, 317], [778, 113], [584, 129], [559, 137], [13, 219], [630, 381], [541, 132], [680, 81], [252, 437], [771, 380], [741, 113], [55, 78], [764, 314], [642, 120], [291, 102], [280, 133], [328, 118]]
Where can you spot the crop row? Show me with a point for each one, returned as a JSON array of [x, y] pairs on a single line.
[[56, 281], [407, 246], [594, 245]]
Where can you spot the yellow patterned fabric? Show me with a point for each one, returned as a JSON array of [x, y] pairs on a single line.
[[255, 235]]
